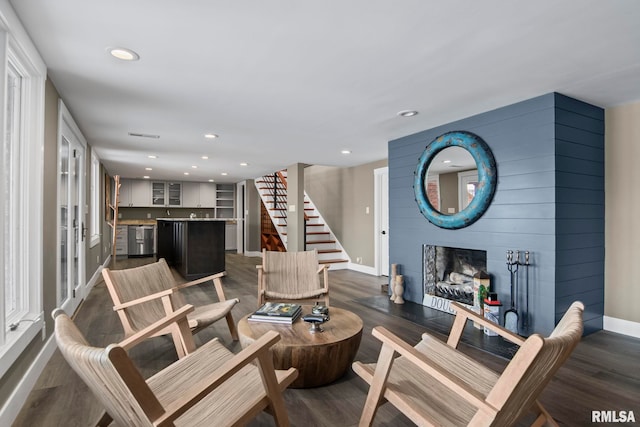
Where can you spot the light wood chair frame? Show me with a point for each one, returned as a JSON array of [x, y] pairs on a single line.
[[168, 298], [309, 297], [133, 401], [506, 398]]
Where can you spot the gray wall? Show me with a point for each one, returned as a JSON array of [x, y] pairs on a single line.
[[342, 196], [527, 209], [622, 233]]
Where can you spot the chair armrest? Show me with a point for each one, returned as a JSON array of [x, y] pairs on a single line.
[[145, 298], [177, 316], [322, 267], [463, 314], [215, 278], [443, 377], [201, 280], [202, 388]]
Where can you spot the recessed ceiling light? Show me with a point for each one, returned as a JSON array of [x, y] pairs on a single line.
[[407, 113], [211, 180], [152, 157], [146, 177], [446, 161], [210, 135], [148, 169], [224, 174], [194, 167], [205, 157], [244, 164], [346, 151], [124, 54], [186, 173]]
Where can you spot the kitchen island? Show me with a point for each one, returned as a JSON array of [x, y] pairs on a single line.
[[193, 246]]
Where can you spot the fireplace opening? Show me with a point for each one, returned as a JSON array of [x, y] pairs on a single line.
[[449, 273]]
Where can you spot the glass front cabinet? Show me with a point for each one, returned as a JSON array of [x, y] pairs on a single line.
[[167, 194]]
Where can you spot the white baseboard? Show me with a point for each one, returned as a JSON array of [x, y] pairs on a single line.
[[621, 326], [253, 253], [14, 403], [362, 268]]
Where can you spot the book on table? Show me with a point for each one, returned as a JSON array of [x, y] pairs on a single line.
[[277, 313]]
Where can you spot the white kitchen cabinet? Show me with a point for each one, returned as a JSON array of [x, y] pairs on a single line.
[[230, 236], [198, 195], [122, 233], [134, 193], [167, 194]]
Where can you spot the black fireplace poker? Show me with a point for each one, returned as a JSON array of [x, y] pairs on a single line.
[[511, 315]]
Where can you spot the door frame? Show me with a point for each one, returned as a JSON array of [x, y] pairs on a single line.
[[68, 129], [381, 201]]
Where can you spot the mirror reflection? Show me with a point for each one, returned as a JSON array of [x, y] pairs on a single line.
[[451, 180]]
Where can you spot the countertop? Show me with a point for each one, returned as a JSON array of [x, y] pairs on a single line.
[[197, 219], [136, 222]]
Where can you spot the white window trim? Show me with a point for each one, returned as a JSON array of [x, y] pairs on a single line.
[[95, 200], [14, 38]]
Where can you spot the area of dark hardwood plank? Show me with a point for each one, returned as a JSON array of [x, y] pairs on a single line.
[[602, 374]]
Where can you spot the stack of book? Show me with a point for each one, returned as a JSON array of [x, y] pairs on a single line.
[[278, 312]]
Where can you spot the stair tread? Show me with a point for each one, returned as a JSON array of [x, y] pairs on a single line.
[[332, 261], [328, 251], [320, 242]]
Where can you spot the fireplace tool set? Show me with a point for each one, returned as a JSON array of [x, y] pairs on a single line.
[[511, 316]]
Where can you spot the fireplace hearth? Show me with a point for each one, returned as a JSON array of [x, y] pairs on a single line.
[[448, 273]]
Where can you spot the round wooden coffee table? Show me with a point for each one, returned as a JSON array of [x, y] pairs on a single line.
[[320, 358]]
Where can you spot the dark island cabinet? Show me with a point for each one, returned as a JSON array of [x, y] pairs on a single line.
[[195, 248]]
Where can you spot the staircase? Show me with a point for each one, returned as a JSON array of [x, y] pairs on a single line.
[[273, 192]]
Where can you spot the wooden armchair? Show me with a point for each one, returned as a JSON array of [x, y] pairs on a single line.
[[209, 387], [292, 276], [435, 384], [143, 295]]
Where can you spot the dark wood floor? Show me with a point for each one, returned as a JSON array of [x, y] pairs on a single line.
[[602, 374]]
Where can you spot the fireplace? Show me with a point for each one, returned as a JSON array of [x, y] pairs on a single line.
[[448, 275]]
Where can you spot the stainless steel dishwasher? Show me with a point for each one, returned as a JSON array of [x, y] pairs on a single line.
[[141, 240]]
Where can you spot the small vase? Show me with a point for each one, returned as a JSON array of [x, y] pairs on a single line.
[[394, 273], [399, 288]]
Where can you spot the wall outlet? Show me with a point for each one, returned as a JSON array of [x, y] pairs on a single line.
[[366, 210], [292, 208], [359, 260], [148, 215], [206, 215], [119, 215], [98, 259]]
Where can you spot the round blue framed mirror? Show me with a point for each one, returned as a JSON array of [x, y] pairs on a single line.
[[467, 157]]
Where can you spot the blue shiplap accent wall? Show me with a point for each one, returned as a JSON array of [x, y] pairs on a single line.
[[549, 201], [579, 129]]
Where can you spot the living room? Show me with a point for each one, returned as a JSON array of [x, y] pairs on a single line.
[[587, 64]]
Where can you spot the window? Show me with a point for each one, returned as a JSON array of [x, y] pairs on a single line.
[[21, 160], [14, 299], [95, 199]]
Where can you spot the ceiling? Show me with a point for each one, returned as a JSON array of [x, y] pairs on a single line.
[[286, 81]]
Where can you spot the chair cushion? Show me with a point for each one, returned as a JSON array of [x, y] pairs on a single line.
[[227, 404], [204, 315], [419, 396]]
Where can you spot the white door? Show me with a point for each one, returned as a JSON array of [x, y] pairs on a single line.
[[381, 196], [71, 216], [241, 217]]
